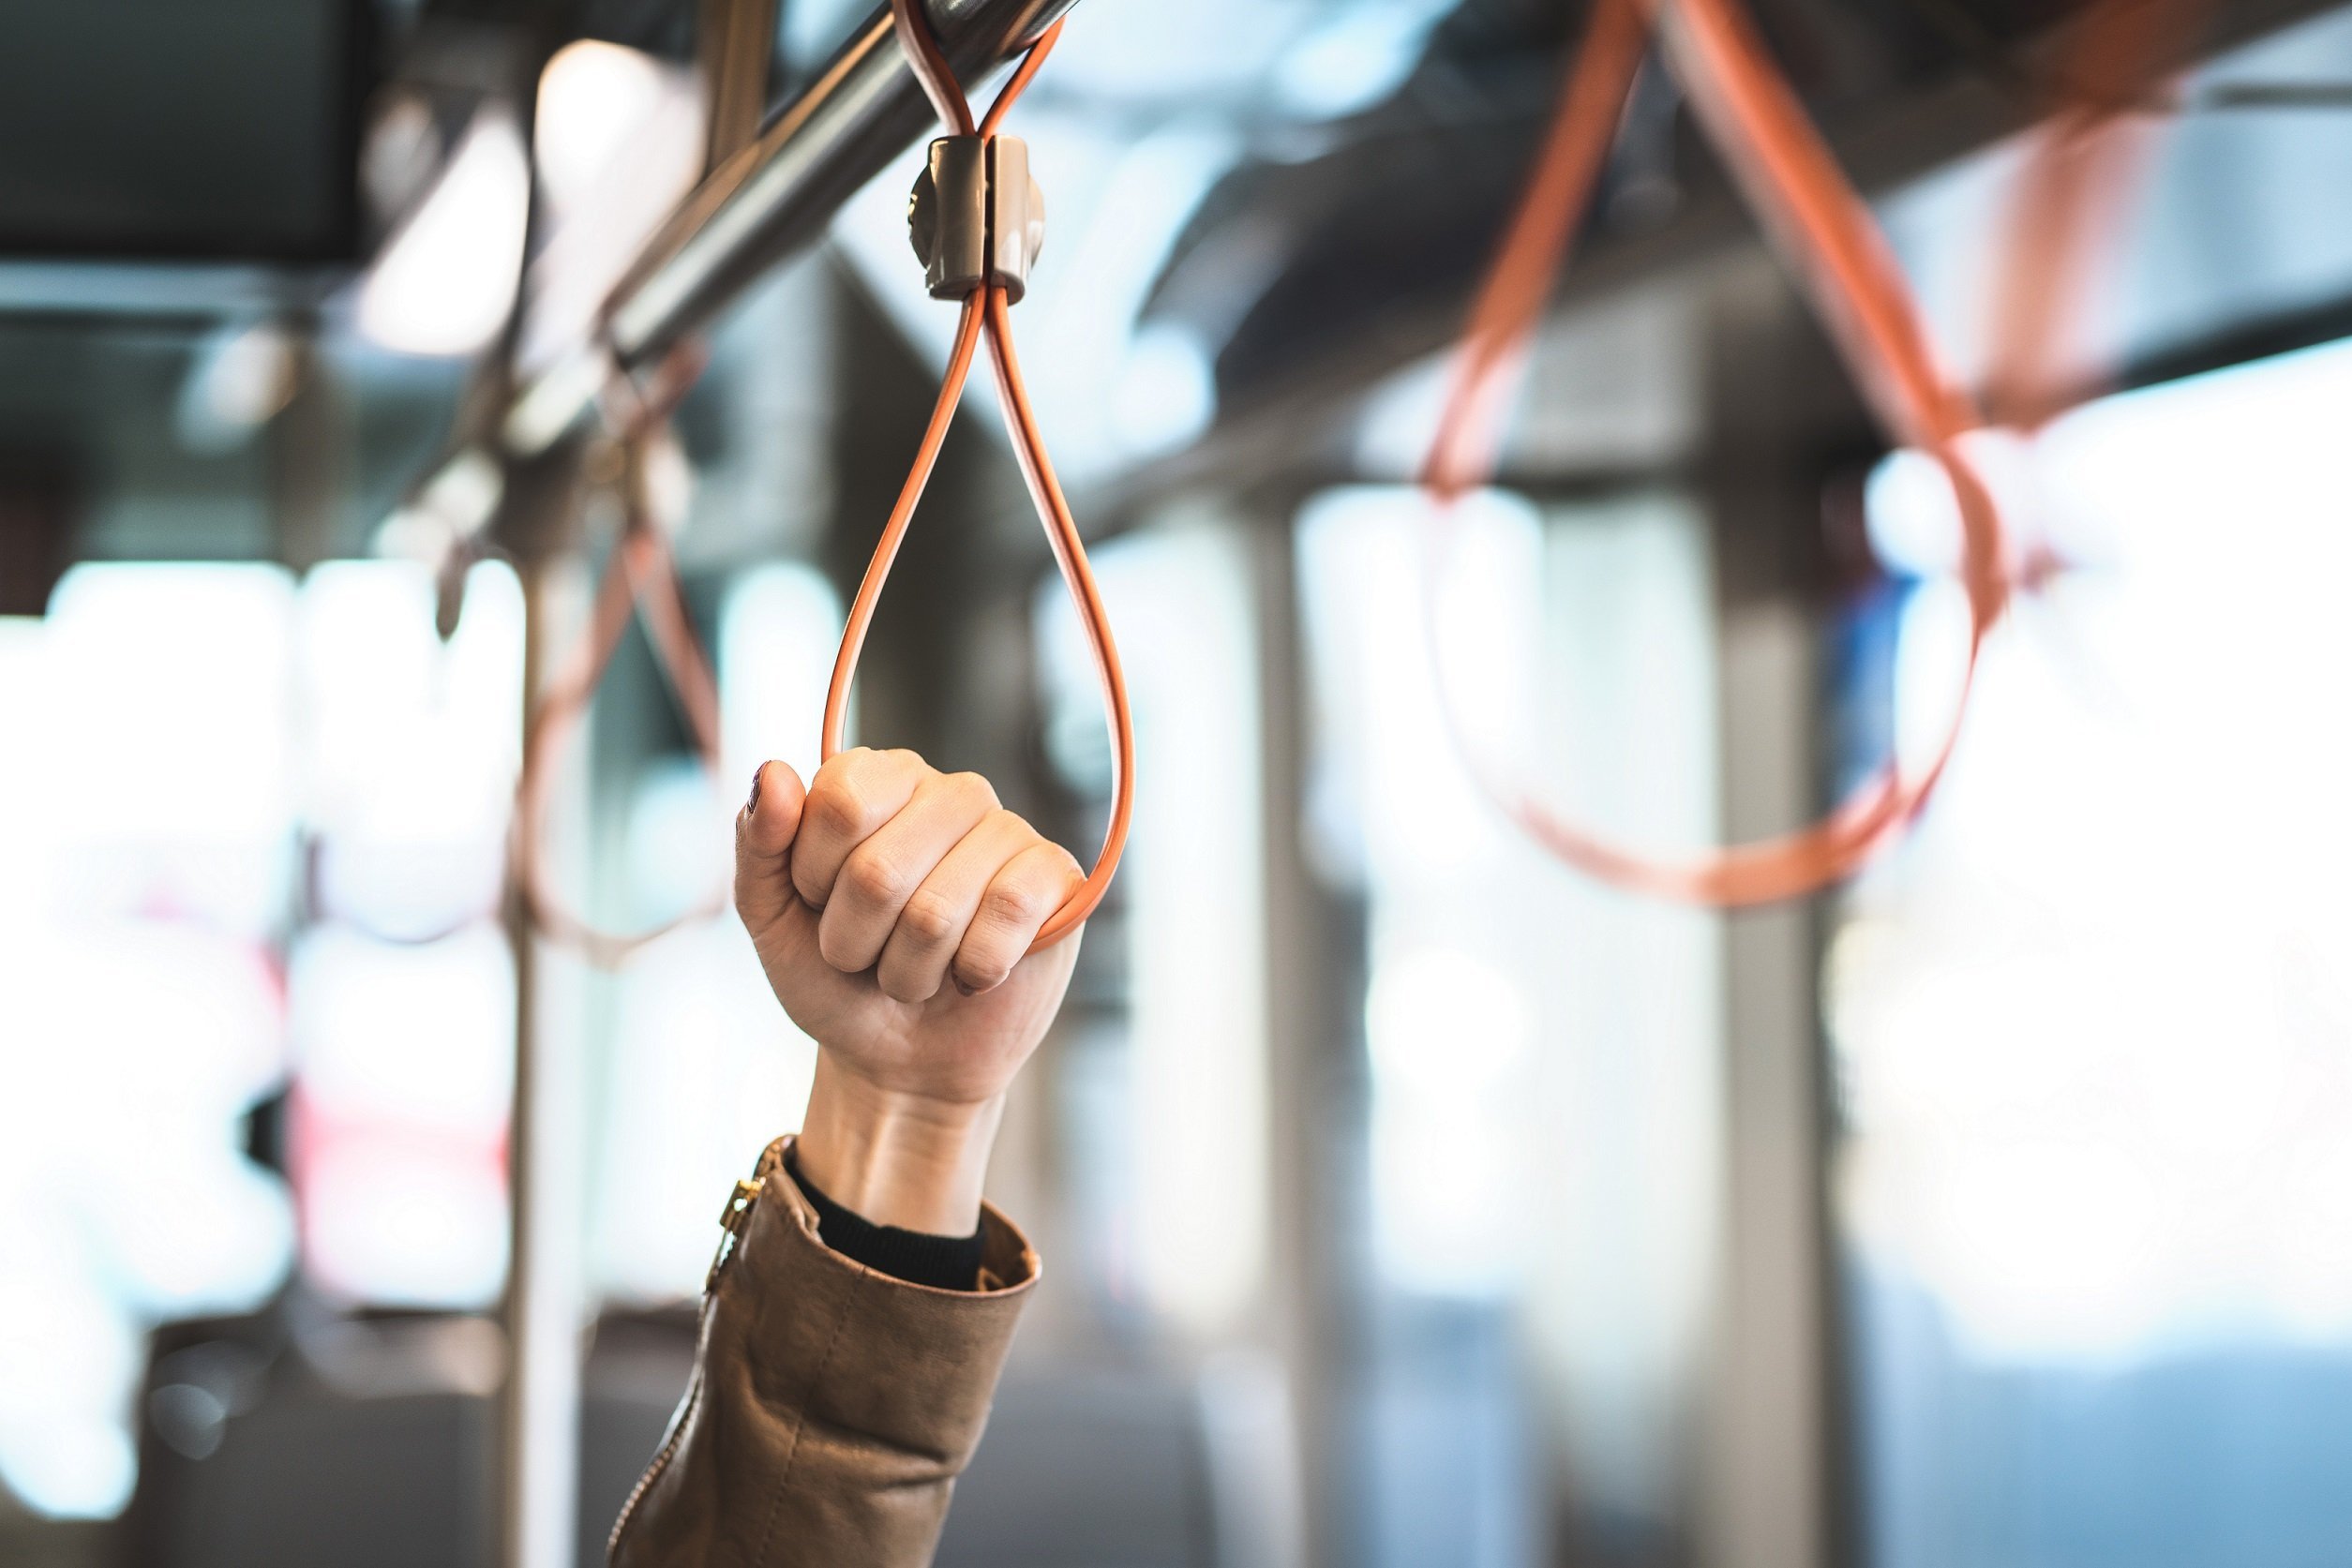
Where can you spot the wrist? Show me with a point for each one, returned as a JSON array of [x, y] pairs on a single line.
[[894, 1158]]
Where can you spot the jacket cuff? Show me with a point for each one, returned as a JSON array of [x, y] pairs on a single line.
[[911, 1366], [833, 1406], [918, 1257], [1007, 1261]]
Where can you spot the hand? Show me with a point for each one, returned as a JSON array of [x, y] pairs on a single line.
[[892, 906]]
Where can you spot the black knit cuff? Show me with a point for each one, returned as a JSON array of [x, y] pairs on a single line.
[[918, 1257]]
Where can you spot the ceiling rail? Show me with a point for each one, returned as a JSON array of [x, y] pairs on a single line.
[[769, 199]]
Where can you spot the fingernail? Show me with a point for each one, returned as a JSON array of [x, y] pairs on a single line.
[[967, 990], [752, 806]]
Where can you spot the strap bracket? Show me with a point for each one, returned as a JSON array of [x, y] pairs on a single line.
[[976, 218]]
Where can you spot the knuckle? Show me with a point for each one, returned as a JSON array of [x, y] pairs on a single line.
[[838, 806], [1011, 902], [842, 765], [973, 789], [899, 767], [871, 879], [928, 920]]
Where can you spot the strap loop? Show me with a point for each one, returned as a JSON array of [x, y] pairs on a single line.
[[639, 577], [1794, 184], [986, 312]]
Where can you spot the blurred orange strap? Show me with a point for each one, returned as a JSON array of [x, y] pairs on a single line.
[[640, 576], [1790, 179], [2082, 165]]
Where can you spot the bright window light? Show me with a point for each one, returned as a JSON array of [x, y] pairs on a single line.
[[1166, 394], [145, 828], [2096, 1018], [417, 1036], [1447, 1155], [1543, 1053], [447, 279], [594, 97], [394, 1221], [412, 744], [174, 739], [777, 636], [1194, 1110], [1449, 1034], [705, 1069], [680, 837], [696, 1032], [619, 141], [404, 1071]]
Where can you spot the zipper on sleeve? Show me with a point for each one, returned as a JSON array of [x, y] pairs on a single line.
[[732, 1220]]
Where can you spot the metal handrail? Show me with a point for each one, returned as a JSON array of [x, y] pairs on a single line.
[[769, 199]]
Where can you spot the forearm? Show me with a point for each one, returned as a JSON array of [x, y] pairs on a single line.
[[896, 1159]]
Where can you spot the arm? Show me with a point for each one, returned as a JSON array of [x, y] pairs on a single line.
[[833, 1405]]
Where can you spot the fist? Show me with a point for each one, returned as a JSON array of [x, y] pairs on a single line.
[[892, 906]]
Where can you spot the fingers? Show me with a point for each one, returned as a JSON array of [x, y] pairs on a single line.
[[931, 926], [918, 875], [882, 872], [764, 832], [852, 796], [1019, 900]]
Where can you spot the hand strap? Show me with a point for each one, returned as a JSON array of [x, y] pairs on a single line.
[[1794, 184], [985, 311]]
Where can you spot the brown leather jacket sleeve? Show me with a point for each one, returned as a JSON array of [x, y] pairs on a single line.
[[832, 1408]]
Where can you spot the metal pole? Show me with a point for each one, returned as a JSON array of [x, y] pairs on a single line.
[[518, 1434], [535, 1503], [772, 198], [738, 46]]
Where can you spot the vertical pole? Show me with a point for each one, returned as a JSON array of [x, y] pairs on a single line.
[[1771, 1424], [1772, 1351], [544, 1306], [1315, 981], [512, 1436]]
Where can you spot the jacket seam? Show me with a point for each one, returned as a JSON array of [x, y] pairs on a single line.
[[661, 1463], [799, 1425]]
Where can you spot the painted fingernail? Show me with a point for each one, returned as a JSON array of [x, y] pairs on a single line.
[[751, 807], [967, 990]]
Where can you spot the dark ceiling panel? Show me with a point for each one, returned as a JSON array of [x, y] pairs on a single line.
[[170, 129]]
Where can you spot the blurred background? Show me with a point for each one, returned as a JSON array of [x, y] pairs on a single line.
[[1407, 1200]]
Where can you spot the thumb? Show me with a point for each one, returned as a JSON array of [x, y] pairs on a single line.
[[764, 830]]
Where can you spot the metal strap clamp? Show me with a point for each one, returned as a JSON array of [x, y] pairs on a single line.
[[976, 218]]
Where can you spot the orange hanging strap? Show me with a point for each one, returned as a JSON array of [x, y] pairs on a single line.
[[2083, 163], [1534, 248], [1794, 184], [985, 312], [639, 577]]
